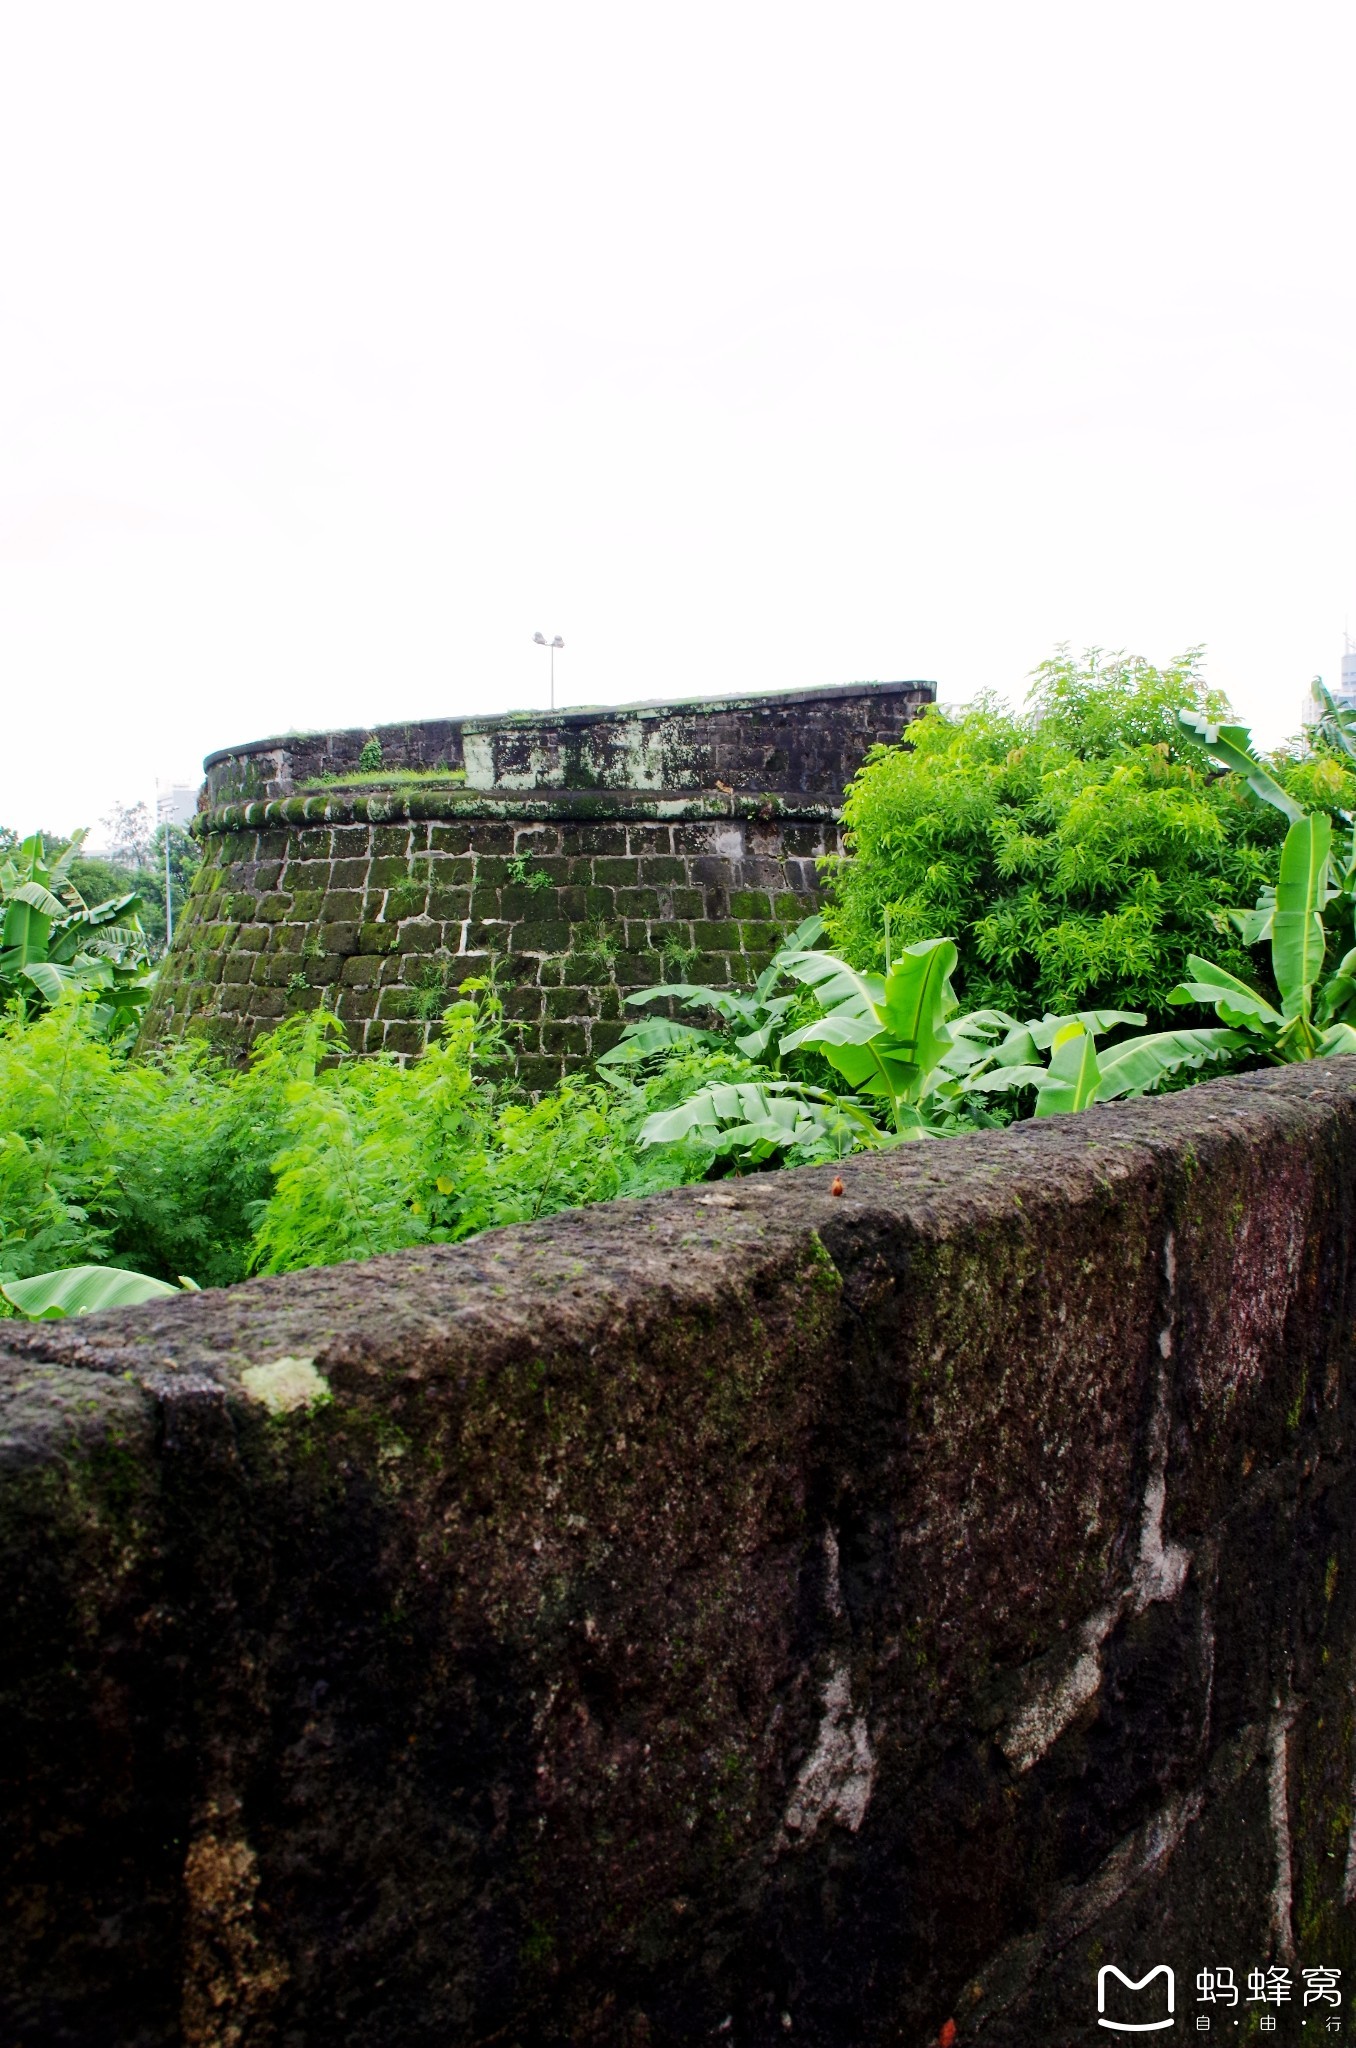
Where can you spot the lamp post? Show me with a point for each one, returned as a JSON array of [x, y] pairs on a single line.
[[542, 641]]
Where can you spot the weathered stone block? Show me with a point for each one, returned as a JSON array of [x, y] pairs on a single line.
[[388, 872], [573, 1002], [657, 868], [391, 842], [362, 970], [349, 874], [538, 1074], [451, 838], [304, 873], [402, 1038], [351, 842], [524, 1001], [638, 969], [564, 1038], [550, 935], [612, 872]]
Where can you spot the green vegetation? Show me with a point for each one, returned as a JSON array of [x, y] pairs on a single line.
[[53, 943], [520, 870], [1076, 852], [180, 1164], [1315, 883], [382, 778], [1077, 869], [134, 864]]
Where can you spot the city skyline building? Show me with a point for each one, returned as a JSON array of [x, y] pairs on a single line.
[[1345, 691]]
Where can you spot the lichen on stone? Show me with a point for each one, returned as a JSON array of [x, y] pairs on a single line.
[[286, 1384]]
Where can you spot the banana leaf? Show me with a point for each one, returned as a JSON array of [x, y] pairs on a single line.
[[1297, 937], [1074, 1075], [1339, 990], [1231, 746], [654, 1035], [1141, 1063], [1234, 1002], [81, 1291], [883, 1034]]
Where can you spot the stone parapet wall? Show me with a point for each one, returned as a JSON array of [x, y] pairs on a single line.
[[756, 1613], [798, 742]]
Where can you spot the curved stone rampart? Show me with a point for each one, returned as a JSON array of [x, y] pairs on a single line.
[[753, 1613], [580, 856]]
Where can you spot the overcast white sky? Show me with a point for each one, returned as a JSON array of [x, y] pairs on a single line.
[[746, 346]]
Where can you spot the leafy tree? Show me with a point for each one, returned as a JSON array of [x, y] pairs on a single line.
[[1077, 851], [129, 833]]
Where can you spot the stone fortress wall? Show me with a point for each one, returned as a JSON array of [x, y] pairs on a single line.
[[847, 1607], [581, 855]]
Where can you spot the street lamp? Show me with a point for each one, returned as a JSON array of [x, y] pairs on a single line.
[[542, 641]]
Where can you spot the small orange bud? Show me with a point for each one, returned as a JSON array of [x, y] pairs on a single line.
[[947, 2035], [837, 1188]]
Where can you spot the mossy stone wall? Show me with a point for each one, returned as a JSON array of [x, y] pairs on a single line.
[[574, 888], [849, 1606]]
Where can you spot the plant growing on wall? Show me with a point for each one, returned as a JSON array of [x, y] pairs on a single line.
[[520, 870]]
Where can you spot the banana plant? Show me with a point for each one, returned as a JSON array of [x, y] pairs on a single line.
[[752, 1122], [52, 941], [1317, 1016], [1231, 746], [754, 1016], [83, 1290], [887, 1035], [1078, 1073]]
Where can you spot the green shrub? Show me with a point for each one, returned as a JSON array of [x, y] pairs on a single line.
[[181, 1163], [1078, 852]]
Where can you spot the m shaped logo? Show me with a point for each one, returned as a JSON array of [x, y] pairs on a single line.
[[1140, 2026]]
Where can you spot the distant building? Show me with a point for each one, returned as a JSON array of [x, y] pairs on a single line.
[[177, 804], [1345, 692]]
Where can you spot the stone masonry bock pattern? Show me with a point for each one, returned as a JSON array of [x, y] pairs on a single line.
[[572, 887]]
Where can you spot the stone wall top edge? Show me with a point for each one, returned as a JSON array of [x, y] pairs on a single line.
[[584, 715], [455, 802], [421, 1310]]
